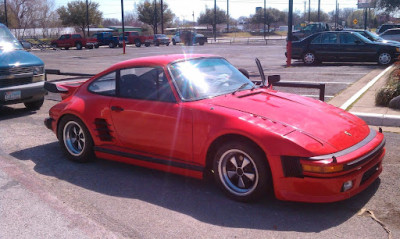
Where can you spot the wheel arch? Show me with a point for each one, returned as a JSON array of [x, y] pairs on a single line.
[[212, 149], [70, 114]]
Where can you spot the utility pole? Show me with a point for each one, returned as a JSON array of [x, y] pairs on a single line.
[[87, 18], [305, 10], [227, 16], [215, 20], [162, 17], [319, 10], [5, 12], [309, 10], [336, 15], [265, 16], [365, 18], [123, 26]]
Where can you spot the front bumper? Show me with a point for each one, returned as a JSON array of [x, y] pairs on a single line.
[[22, 93], [329, 187]]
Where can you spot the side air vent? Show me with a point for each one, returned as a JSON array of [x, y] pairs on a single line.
[[102, 127]]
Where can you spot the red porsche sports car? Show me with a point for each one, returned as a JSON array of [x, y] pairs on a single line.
[[198, 114]]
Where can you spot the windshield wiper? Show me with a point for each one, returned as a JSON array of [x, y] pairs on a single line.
[[241, 87]]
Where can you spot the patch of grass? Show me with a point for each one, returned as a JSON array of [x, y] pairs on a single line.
[[391, 89]]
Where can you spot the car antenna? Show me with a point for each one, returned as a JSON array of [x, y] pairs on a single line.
[[261, 70]]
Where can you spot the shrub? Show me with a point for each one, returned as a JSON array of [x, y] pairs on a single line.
[[390, 90]]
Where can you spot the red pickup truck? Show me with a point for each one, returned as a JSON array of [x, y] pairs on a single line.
[[134, 37], [74, 40]]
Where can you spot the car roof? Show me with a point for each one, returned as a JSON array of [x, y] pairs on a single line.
[[160, 60]]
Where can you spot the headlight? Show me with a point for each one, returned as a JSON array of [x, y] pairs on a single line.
[[38, 70]]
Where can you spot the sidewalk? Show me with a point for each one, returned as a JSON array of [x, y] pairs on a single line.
[[359, 99]]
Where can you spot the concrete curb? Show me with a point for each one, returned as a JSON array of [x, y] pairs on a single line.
[[379, 119]]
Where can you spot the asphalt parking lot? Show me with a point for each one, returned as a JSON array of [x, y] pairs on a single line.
[[107, 199]]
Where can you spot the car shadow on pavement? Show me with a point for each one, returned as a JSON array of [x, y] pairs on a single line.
[[199, 199], [11, 113], [369, 65]]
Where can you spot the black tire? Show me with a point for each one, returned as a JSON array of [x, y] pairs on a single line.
[[34, 105], [78, 46], [243, 183], [120, 45], [111, 45], [96, 46], [147, 44], [167, 44], [90, 47], [66, 48], [384, 58], [201, 43], [54, 46], [75, 139], [173, 42], [309, 58], [138, 43]]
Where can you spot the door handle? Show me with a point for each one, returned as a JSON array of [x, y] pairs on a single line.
[[116, 108]]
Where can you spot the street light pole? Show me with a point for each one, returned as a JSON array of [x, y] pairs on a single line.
[[87, 17], [123, 26], [162, 17], [265, 16], [215, 20], [227, 16], [289, 35], [309, 10], [319, 10]]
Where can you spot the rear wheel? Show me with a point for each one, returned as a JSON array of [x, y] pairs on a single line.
[[147, 44], [309, 58], [34, 105], [96, 46], [111, 45], [241, 170], [138, 43], [384, 58], [75, 139], [201, 43], [78, 46], [173, 42]]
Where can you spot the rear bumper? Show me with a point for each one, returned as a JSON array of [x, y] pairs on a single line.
[[22, 93], [48, 122]]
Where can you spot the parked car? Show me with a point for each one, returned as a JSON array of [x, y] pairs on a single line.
[[67, 41], [25, 44], [21, 73], [106, 39], [391, 35], [373, 37], [343, 46], [385, 27], [197, 114], [161, 39], [310, 29], [133, 37], [188, 37]]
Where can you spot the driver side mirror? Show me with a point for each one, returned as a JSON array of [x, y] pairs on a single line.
[[273, 79]]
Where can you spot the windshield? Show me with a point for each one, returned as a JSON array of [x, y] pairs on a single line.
[[363, 38], [372, 36], [7, 41], [207, 77]]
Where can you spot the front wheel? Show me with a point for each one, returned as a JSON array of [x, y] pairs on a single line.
[[309, 58], [75, 139], [241, 170], [138, 43], [384, 58], [147, 44], [173, 42], [34, 105], [111, 45]]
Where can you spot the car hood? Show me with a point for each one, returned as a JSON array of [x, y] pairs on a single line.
[[316, 119], [18, 58]]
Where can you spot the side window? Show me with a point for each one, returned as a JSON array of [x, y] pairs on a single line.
[[316, 40], [145, 83], [62, 37], [347, 39], [105, 85], [329, 38], [67, 36]]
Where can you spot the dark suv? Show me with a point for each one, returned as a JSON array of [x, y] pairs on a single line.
[[384, 27]]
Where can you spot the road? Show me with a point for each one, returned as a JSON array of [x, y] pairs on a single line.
[[53, 197]]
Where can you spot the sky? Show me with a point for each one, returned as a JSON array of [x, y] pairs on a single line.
[[184, 9]]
